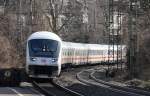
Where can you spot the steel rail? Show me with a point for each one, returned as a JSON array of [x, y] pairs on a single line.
[[125, 88], [58, 86], [71, 92], [105, 86], [42, 90]]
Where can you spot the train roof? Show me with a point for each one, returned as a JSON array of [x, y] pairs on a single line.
[[73, 45], [90, 46], [44, 35]]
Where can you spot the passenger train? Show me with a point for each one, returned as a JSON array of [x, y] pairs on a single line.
[[46, 54]]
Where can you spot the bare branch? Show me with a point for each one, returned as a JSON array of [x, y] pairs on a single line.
[[49, 21], [61, 7], [65, 23]]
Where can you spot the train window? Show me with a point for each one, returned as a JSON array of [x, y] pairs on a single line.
[[83, 52], [69, 52], [78, 52], [44, 48], [64, 52], [91, 52], [97, 52], [72, 52]]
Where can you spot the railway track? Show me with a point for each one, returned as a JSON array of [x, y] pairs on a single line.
[[117, 86], [87, 77], [54, 89]]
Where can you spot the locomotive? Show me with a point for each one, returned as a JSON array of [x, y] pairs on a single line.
[[46, 54]]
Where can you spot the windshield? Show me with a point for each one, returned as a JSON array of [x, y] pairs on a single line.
[[43, 48]]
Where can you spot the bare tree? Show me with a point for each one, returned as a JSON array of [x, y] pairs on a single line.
[[56, 13]]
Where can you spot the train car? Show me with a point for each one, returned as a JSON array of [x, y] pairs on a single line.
[[43, 55], [46, 54], [74, 53]]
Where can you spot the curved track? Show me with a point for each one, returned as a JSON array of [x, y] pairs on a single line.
[[54, 89], [117, 86], [88, 78]]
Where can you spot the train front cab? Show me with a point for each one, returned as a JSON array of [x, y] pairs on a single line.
[[43, 58]]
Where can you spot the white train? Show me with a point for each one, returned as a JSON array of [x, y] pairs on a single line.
[[46, 53]]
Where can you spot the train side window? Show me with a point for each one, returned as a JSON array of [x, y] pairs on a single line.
[[82, 52], [79, 52], [71, 52], [92, 52], [63, 52], [68, 52]]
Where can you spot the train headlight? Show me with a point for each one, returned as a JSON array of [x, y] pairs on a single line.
[[33, 59], [54, 60]]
